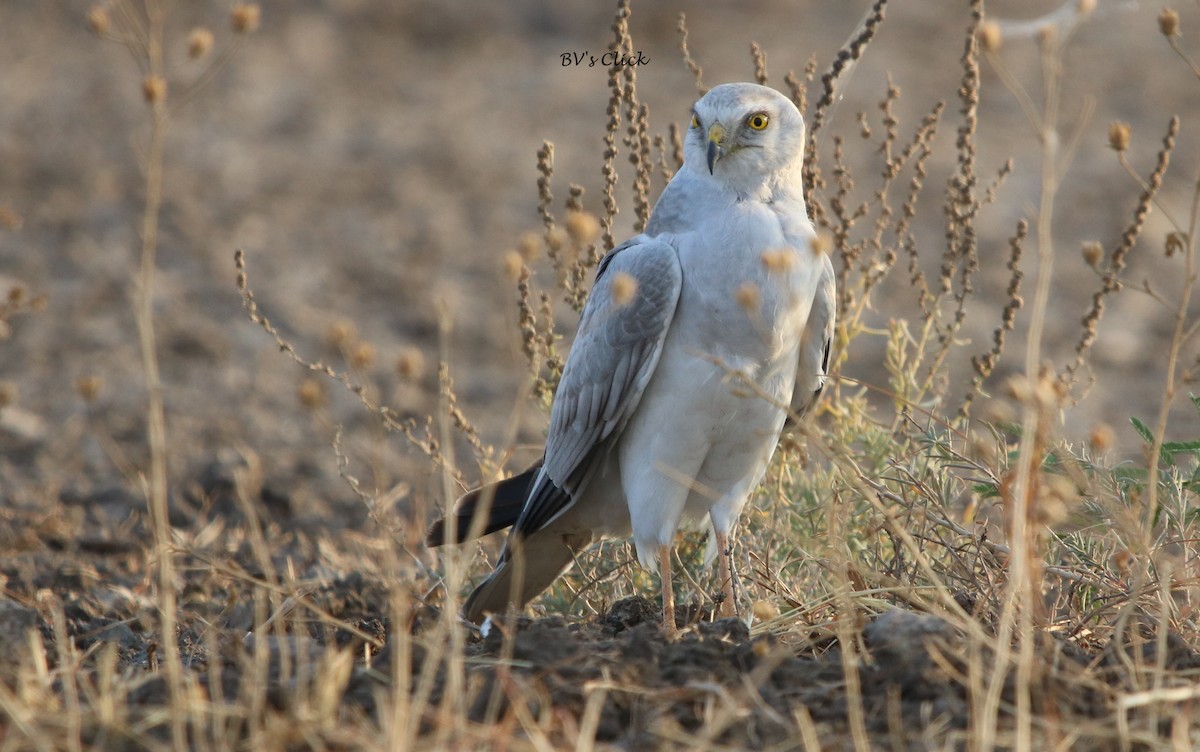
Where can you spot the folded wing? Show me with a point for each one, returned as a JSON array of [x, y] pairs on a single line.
[[815, 344], [616, 349]]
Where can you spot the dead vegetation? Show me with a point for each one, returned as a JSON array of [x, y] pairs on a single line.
[[928, 565]]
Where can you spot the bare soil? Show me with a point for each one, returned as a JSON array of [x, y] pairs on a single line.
[[375, 160], [743, 692]]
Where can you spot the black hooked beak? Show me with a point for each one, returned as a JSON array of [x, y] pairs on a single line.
[[716, 145]]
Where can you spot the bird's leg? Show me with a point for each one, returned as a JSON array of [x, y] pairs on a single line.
[[668, 591], [725, 576]]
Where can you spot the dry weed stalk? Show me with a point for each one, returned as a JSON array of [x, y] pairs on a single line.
[[797, 88], [960, 257], [866, 261], [667, 168], [155, 411], [421, 437], [1038, 391], [891, 493], [17, 302], [616, 94], [1181, 244], [583, 230], [637, 138], [688, 60], [760, 63], [843, 63], [141, 28], [867, 258], [1111, 276], [983, 365], [552, 237]]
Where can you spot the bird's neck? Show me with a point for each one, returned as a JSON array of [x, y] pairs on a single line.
[[783, 186]]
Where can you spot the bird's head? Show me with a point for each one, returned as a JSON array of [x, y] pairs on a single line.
[[743, 132]]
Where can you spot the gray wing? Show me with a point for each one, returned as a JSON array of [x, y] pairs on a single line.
[[614, 355], [815, 344]]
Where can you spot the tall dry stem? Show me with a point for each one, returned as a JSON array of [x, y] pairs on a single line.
[[1024, 586], [141, 28], [156, 428]]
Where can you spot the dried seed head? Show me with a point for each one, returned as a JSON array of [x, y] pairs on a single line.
[[556, 238], [1017, 387], [1000, 412], [1047, 34], [764, 610], [245, 17], [991, 37], [98, 20], [582, 227], [747, 296], [790, 443], [154, 88], [200, 41], [89, 387], [311, 393], [1103, 437], [1093, 253], [820, 244], [16, 294], [529, 245], [1175, 243], [1168, 22], [1085, 7], [341, 333], [8, 393], [9, 219], [778, 261], [410, 364], [982, 447], [1056, 494], [1050, 391], [363, 355], [513, 264], [1119, 135], [1061, 487], [5, 330], [1122, 561], [970, 510], [624, 287]]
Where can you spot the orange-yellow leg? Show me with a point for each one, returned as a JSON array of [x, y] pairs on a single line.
[[668, 592], [725, 576]]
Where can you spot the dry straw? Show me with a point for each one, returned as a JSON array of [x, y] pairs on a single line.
[[1053, 588], [897, 478]]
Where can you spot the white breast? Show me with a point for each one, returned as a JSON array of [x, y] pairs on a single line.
[[701, 437]]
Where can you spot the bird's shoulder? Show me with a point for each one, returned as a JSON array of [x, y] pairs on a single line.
[[642, 254]]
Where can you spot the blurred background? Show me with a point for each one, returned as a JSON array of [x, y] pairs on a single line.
[[376, 160]]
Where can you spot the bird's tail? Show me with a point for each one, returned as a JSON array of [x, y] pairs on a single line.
[[501, 502], [527, 567]]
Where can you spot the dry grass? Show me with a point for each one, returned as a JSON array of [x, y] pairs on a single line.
[[913, 575]]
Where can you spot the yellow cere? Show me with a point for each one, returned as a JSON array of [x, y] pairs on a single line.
[[695, 122]]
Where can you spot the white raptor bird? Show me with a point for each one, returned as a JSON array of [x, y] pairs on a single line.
[[652, 427]]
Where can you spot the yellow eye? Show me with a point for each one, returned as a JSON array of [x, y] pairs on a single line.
[[695, 122], [758, 121]]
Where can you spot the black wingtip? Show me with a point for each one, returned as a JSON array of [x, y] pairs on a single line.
[[436, 536], [507, 498]]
